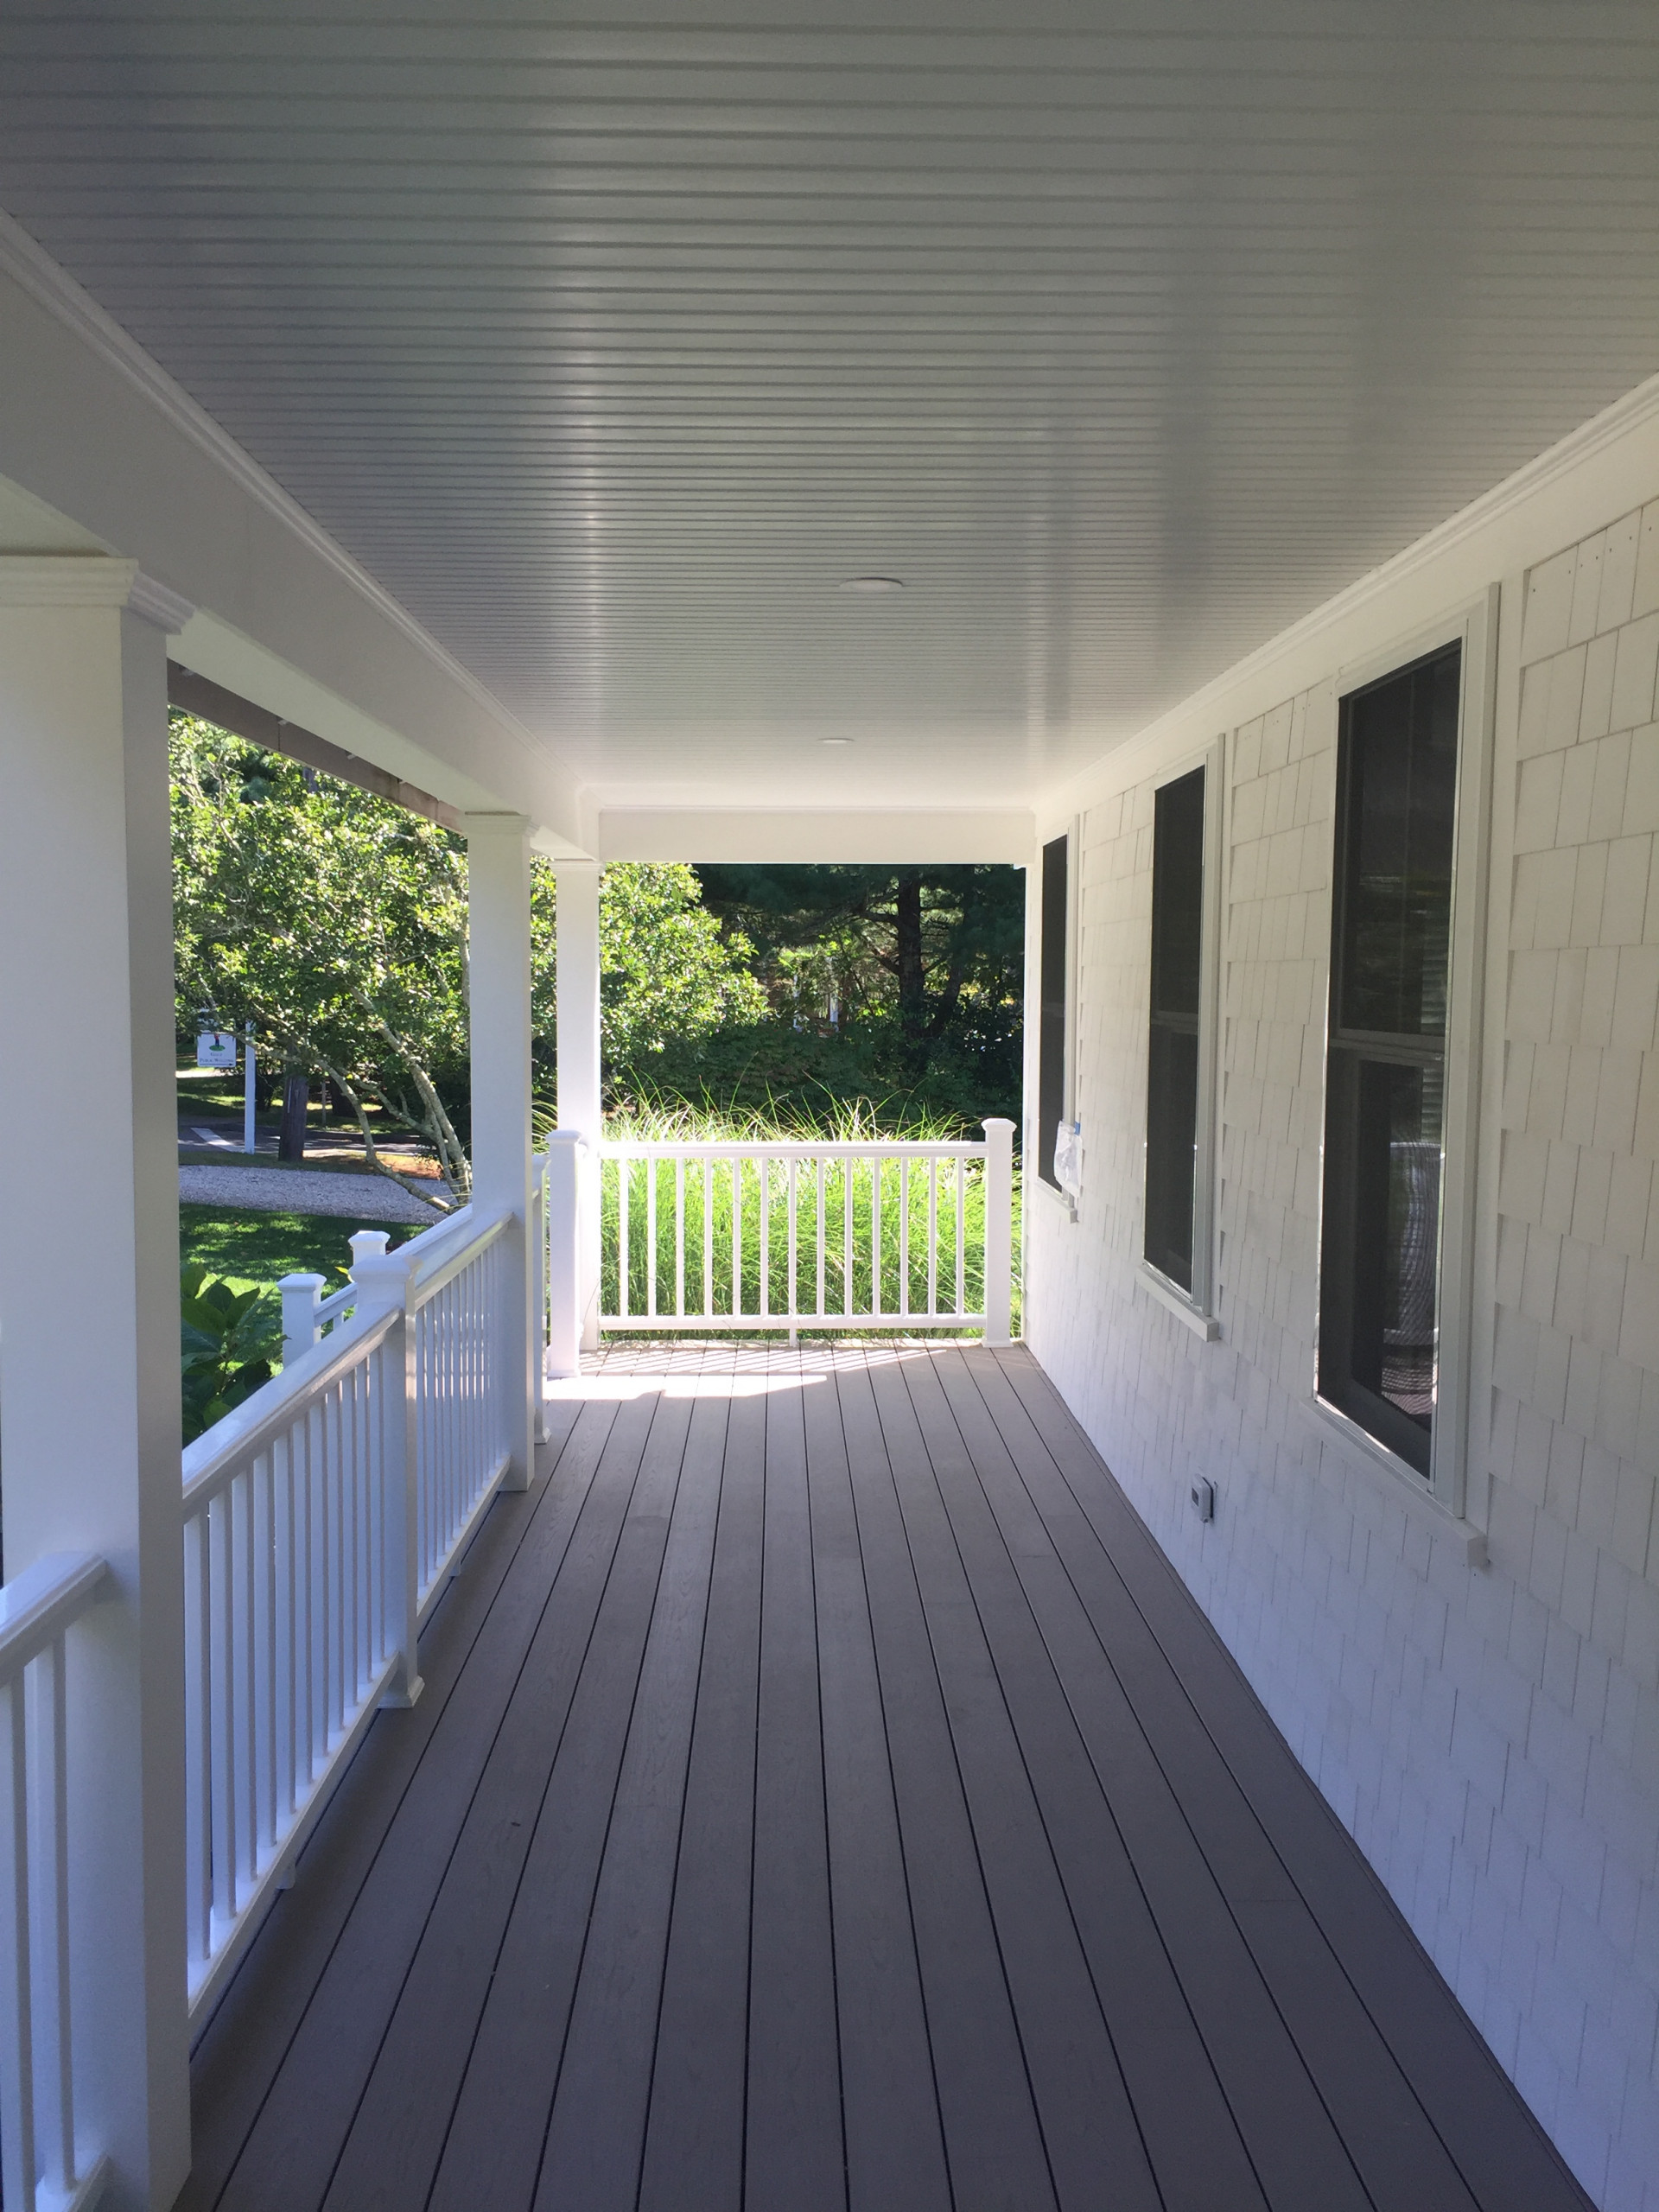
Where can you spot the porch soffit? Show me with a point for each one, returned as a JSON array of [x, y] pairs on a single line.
[[1124, 336]]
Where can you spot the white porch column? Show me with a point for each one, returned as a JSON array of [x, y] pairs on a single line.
[[578, 1047], [497, 876], [89, 1289]]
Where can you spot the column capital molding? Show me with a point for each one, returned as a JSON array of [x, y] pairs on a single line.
[[487, 822], [90, 580]]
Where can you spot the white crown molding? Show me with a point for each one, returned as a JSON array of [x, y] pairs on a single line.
[[30, 266], [90, 580], [1627, 419], [168, 610], [66, 580]]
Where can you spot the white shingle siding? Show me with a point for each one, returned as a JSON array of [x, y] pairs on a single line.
[[1491, 1736]]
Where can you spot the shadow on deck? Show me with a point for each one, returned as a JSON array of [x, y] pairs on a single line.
[[825, 1794]]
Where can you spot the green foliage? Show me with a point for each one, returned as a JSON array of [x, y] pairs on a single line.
[[262, 1247], [667, 973], [334, 921], [226, 1350], [883, 984]]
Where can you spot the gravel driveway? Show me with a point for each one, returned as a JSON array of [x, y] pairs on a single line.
[[290, 1190]]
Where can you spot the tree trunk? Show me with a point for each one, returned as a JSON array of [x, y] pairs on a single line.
[[296, 1097], [912, 979]]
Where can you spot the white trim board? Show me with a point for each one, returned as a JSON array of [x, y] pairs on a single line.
[[1607, 467], [890, 835]]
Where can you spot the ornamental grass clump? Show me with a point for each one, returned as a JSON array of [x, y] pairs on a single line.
[[712, 1234]]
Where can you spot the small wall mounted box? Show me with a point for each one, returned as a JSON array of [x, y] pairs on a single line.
[[1204, 1498]]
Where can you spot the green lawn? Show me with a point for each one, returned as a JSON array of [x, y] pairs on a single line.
[[263, 1246]]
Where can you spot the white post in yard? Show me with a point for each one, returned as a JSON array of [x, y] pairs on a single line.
[[498, 874], [579, 1088], [999, 1230], [91, 1446], [250, 1096]]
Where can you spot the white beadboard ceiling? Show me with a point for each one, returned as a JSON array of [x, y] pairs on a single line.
[[612, 343]]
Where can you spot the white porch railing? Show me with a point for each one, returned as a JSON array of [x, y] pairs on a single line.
[[829, 1235], [41, 2168], [320, 1517]]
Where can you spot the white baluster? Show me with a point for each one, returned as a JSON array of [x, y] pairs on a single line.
[[679, 1238], [791, 1193], [18, 2168], [932, 1166]]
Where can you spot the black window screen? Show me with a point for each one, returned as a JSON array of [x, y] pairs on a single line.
[[1396, 783], [1173, 1070], [1050, 1034]]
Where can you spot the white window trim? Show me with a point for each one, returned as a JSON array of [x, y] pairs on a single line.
[[1199, 1308], [1475, 629]]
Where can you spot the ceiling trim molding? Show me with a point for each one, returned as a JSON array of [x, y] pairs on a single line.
[[30, 265], [1215, 703]]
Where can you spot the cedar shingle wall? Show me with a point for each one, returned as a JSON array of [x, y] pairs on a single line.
[[1491, 1736]]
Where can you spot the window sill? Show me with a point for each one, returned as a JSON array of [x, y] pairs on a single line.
[[1405, 1485], [1160, 1287], [1062, 1199]]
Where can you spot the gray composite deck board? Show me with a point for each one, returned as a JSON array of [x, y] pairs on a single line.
[[693, 2131], [825, 1794]]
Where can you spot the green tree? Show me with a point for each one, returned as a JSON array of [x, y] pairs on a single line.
[[336, 922], [668, 972], [916, 942], [333, 920]]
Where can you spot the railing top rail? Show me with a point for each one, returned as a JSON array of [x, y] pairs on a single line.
[[39, 1604], [439, 1235], [432, 1271], [819, 1148], [247, 1429]]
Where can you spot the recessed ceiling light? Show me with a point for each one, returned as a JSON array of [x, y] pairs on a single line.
[[834, 740], [873, 584]]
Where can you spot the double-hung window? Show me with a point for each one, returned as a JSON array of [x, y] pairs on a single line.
[[1054, 981], [1380, 1291], [1172, 1059], [1180, 1054]]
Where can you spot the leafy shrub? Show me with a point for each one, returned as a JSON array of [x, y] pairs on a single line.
[[227, 1331]]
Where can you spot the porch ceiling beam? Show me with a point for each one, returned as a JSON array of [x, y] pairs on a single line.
[[198, 695]]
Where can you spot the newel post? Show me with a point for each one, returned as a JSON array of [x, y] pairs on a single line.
[[998, 1229], [565, 1154], [498, 878], [382, 1280], [581, 1108], [302, 1295]]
